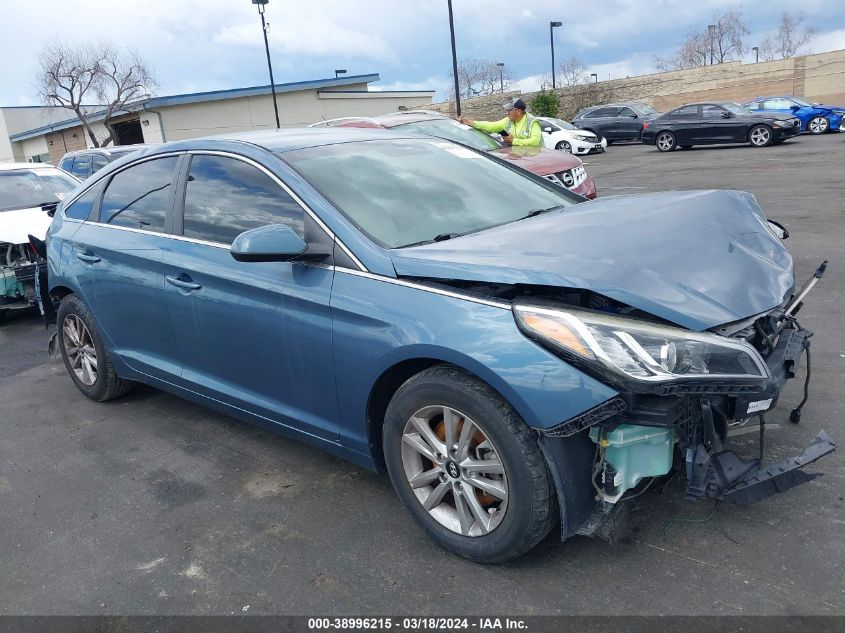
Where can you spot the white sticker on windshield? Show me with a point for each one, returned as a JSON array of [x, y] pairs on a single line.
[[459, 124], [457, 150], [60, 196], [760, 405]]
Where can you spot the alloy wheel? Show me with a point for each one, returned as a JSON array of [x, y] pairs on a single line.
[[818, 125], [565, 146], [665, 142], [80, 350], [760, 136], [454, 470]]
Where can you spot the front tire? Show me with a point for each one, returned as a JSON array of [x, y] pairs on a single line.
[[466, 466], [760, 136], [85, 356], [665, 141], [564, 146], [818, 125]]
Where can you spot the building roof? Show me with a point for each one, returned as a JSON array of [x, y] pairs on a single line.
[[199, 97]]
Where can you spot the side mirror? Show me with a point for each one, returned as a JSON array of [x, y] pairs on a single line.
[[547, 130], [778, 229], [727, 115], [795, 107], [634, 116], [274, 243]]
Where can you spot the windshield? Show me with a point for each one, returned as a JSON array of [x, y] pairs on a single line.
[[563, 124], [736, 109], [409, 191], [453, 131], [801, 102], [23, 188]]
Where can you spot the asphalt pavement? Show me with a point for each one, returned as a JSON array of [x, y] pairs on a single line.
[[152, 505]]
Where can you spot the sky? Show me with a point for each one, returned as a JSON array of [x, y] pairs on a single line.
[[197, 45]]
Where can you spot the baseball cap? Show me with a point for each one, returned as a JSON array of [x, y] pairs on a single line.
[[516, 103]]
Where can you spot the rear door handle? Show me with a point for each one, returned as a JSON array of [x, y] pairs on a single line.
[[88, 257], [182, 283]]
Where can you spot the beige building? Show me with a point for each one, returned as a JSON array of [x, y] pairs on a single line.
[[178, 117]]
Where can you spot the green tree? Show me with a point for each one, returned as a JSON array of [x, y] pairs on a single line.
[[545, 103]]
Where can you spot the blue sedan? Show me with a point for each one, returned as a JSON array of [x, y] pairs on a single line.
[[513, 357], [815, 118]]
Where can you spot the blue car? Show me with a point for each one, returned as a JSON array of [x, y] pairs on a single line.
[[513, 357], [815, 118]]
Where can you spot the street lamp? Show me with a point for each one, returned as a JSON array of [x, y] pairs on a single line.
[[339, 71], [711, 28], [501, 66], [552, 26], [595, 77], [260, 4], [756, 50], [454, 60]]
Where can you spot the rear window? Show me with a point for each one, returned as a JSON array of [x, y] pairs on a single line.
[[139, 197]]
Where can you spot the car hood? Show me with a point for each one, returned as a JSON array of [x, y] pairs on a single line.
[[698, 258], [770, 116], [16, 226], [825, 106], [538, 160]]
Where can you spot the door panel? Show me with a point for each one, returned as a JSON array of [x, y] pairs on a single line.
[[255, 335], [117, 258]]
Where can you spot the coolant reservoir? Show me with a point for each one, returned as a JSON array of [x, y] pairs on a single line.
[[634, 452]]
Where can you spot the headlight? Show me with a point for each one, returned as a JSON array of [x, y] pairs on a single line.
[[640, 352], [584, 137], [779, 123]]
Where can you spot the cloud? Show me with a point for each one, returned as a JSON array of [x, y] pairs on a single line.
[[322, 37]]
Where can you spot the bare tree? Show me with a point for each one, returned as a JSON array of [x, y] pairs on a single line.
[[788, 40], [482, 77], [74, 76], [722, 43], [572, 72]]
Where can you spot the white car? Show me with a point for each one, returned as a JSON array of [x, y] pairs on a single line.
[[27, 192], [558, 134]]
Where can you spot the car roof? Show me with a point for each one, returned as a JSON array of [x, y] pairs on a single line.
[[11, 166], [118, 149], [284, 140], [389, 120]]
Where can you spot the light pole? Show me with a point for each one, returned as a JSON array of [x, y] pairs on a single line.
[[501, 66], [711, 28], [756, 50], [552, 26], [454, 60], [339, 71], [595, 77], [260, 4]]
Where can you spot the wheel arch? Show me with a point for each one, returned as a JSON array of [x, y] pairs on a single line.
[[398, 373]]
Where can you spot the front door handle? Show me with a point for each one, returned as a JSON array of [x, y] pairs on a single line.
[[88, 258], [182, 283]]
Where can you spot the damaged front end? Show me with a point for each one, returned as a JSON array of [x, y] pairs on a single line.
[[18, 272], [679, 401]]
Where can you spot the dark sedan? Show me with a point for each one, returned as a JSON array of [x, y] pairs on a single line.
[[717, 123]]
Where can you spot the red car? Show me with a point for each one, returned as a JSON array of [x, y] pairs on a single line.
[[559, 167]]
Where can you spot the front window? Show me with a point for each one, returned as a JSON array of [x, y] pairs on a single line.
[[140, 196], [736, 109], [25, 188], [409, 191], [225, 197], [453, 131]]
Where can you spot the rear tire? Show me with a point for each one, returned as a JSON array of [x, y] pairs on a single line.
[[665, 142], [444, 393], [760, 136], [86, 358]]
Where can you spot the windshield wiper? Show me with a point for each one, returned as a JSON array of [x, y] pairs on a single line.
[[535, 212], [441, 237]]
